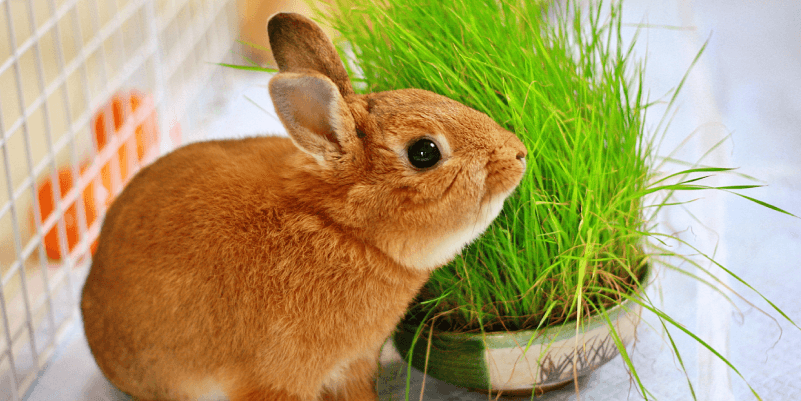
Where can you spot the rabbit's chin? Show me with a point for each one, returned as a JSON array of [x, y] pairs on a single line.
[[436, 252]]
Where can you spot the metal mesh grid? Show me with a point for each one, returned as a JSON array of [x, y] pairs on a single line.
[[60, 62]]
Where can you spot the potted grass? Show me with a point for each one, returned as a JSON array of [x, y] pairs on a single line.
[[556, 285]]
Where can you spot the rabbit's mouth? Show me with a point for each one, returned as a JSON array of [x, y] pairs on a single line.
[[503, 177], [490, 208], [434, 252]]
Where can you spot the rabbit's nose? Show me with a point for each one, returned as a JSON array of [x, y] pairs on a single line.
[[522, 152], [514, 144], [522, 157]]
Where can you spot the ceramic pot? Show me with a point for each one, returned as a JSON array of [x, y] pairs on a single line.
[[506, 362]]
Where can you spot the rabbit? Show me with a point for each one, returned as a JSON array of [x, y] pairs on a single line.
[[274, 268]]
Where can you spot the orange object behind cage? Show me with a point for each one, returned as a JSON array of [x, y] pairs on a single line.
[[98, 194], [146, 135], [47, 205]]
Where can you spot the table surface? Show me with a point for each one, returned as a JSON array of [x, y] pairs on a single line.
[[748, 83]]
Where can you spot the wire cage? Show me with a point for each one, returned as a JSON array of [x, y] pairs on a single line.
[[90, 91]]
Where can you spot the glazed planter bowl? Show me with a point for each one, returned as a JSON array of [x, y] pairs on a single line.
[[503, 361]]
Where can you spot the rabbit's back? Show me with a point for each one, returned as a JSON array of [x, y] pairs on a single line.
[[189, 204], [171, 284], [159, 255]]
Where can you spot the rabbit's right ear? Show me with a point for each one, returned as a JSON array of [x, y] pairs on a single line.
[[299, 44], [315, 115]]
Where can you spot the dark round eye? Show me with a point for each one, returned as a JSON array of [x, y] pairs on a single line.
[[423, 153]]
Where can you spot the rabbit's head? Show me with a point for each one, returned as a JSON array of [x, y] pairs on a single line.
[[413, 173]]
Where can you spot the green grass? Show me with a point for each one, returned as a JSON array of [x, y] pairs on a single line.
[[579, 234], [571, 238]]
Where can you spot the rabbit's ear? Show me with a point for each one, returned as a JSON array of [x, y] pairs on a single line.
[[314, 113], [298, 43]]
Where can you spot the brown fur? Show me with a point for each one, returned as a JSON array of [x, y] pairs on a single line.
[[274, 268]]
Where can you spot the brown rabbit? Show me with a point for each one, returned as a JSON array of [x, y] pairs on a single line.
[[274, 268]]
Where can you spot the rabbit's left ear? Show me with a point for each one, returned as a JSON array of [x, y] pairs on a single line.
[[299, 44], [314, 113]]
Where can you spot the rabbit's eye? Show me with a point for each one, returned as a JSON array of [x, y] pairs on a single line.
[[423, 153]]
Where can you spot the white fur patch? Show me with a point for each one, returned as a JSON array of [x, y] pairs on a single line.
[[439, 253], [205, 390], [336, 376]]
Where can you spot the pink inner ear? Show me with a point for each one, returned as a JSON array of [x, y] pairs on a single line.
[[311, 112]]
